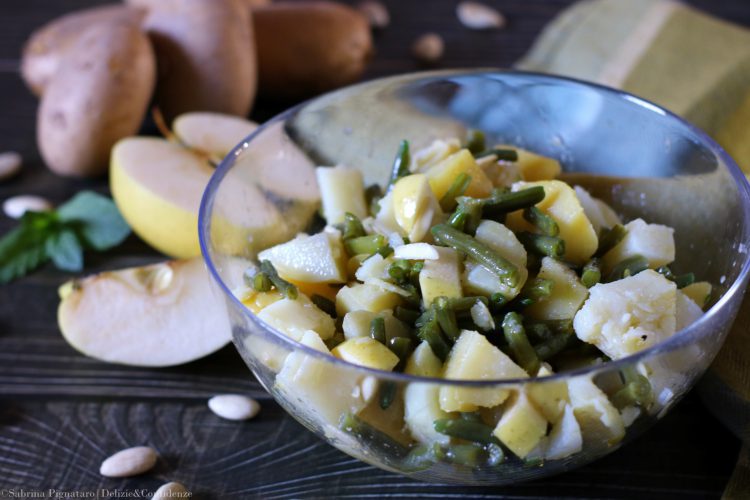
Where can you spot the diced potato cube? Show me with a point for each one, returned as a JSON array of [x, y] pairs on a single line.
[[414, 205], [441, 277], [521, 427], [257, 301], [548, 396], [562, 204], [567, 296], [365, 297], [295, 317], [341, 190], [325, 391], [628, 315], [443, 174], [375, 267], [421, 400], [311, 259], [326, 290], [688, 312], [385, 220], [534, 167], [366, 351], [434, 153], [653, 241], [599, 213], [416, 251], [601, 423], [699, 292], [357, 324], [565, 438], [474, 358], [608, 214]]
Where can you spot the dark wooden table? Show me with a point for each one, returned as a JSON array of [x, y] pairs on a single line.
[[62, 413]]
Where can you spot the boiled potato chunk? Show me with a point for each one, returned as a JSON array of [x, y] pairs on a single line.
[[442, 175], [257, 301], [521, 427], [653, 241], [414, 205], [441, 277], [561, 203], [385, 220], [341, 190], [567, 296], [295, 317], [534, 167], [628, 315], [600, 422], [434, 153], [549, 397], [421, 399], [365, 297], [311, 259], [357, 324], [366, 351], [699, 292], [474, 358], [565, 438], [598, 212], [688, 312]]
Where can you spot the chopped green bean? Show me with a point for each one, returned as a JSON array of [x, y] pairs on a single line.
[[609, 238], [500, 154], [460, 304], [475, 141], [387, 394], [406, 314], [477, 250], [377, 329], [423, 456], [352, 227], [535, 290], [365, 244], [385, 251], [552, 346], [373, 194], [469, 455], [400, 271], [628, 267], [261, 282], [684, 280], [476, 432], [401, 347], [538, 331], [636, 391], [503, 201], [458, 187], [497, 302], [400, 163], [541, 221], [324, 304], [518, 342], [546, 246], [591, 273], [467, 215], [446, 318], [287, 289], [430, 332], [371, 437]]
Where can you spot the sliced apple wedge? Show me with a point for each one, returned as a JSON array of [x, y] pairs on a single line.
[[213, 133], [158, 315]]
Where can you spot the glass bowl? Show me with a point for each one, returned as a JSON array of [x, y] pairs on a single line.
[[649, 163]]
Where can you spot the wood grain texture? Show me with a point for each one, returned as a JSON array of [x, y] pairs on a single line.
[[61, 413]]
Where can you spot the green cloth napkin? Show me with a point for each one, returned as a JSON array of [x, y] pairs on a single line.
[[692, 64]]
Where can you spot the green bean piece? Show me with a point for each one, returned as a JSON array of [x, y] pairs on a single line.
[[538, 331], [609, 238], [337, 338], [261, 282], [636, 391], [365, 244], [353, 227], [497, 302], [515, 335], [385, 251], [373, 194], [476, 432], [460, 304], [371, 437], [535, 290], [684, 280], [406, 314], [546, 246], [475, 141], [324, 304], [628, 267], [448, 236], [541, 221], [503, 201], [400, 163], [416, 268], [387, 394], [446, 318], [471, 416], [552, 346], [423, 457], [457, 220], [495, 453], [400, 271], [458, 187], [287, 289], [377, 329], [591, 273], [469, 455], [401, 347], [501, 154], [430, 332]]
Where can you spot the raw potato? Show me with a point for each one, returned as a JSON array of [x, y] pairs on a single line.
[[205, 53], [49, 44], [99, 95], [159, 315], [307, 48]]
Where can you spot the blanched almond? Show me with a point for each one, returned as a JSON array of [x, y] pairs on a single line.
[[477, 16], [129, 462], [234, 406]]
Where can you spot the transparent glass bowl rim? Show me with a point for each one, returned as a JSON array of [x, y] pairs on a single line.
[[679, 339]]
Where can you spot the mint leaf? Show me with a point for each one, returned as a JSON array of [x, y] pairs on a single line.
[[21, 250], [96, 218], [65, 250]]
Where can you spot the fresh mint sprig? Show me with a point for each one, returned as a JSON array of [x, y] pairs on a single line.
[[87, 221]]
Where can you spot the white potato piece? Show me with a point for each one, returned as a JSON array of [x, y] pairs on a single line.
[[600, 422], [319, 258], [295, 317], [341, 190], [655, 242], [421, 399], [441, 277], [566, 297], [522, 427]]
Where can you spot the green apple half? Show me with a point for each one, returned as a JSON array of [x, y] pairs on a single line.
[[159, 315]]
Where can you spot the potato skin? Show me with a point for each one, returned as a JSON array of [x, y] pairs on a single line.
[[48, 44], [98, 95], [307, 48], [205, 54]]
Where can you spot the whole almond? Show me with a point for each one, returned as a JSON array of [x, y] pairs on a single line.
[[428, 48], [234, 406], [129, 462], [478, 16], [16, 206], [10, 164], [171, 490], [376, 13]]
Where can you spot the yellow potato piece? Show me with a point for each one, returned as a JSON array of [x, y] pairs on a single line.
[[441, 277], [442, 175], [534, 167], [521, 427], [699, 292], [414, 205], [365, 297], [366, 351], [568, 293]]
